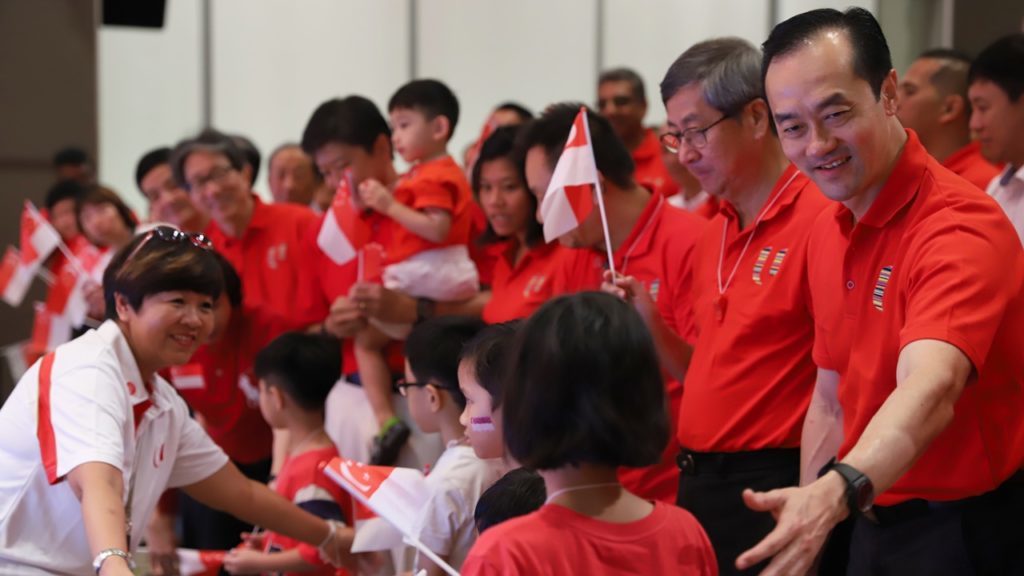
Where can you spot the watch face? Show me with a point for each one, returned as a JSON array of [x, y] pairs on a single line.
[[865, 493]]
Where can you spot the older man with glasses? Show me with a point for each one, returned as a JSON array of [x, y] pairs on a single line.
[[749, 380], [262, 241]]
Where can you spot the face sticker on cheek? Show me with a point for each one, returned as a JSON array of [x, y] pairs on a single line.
[[481, 424]]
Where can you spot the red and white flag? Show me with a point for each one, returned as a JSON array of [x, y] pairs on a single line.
[[67, 296], [38, 237], [200, 562], [394, 495], [474, 151], [343, 232], [15, 278], [570, 195], [49, 330]]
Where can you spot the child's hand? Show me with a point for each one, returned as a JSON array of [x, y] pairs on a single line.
[[253, 540], [375, 195], [244, 561]]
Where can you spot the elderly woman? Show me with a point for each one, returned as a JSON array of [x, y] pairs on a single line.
[[110, 434]]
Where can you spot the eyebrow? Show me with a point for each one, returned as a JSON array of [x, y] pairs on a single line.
[[832, 100]]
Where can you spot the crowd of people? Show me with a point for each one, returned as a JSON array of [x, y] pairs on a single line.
[[802, 356]]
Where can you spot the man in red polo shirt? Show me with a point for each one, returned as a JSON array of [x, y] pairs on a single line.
[[650, 240], [262, 241], [744, 394], [933, 103], [916, 285], [622, 99]]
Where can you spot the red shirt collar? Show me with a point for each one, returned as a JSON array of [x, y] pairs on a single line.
[[899, 189], [639, 239], [961, 155], [649, 147], [793, 182]]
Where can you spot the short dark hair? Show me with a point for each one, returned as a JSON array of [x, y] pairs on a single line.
[[1002, 63], [149, 265], [551, 130], [208, 140], [96, 195], [251, 154], [583, 385], [433, 349], [501, 144], [515, 494], [524, 113], [871, 58], [149, 161], [232, 281], [951, 76], [625, 75], [727, 69], [71, 156], [353, 121], [63, 190], [431, 97], [488, 351], [304, 366]]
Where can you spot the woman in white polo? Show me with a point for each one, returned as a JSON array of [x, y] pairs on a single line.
[[91, 435]]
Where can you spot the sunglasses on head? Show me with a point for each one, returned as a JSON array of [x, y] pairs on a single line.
[[172, 235]]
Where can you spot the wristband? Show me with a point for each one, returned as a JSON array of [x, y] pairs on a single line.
[[103, 556]]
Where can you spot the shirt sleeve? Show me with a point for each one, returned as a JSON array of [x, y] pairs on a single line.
[[443, 514], [197, 456], [432, 193], [88, 413], [675, 293]]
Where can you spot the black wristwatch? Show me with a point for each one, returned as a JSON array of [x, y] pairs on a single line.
[[860, 492], [425, 308]]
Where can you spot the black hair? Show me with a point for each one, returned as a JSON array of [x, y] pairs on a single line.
[[1002, 63], [515, 494], [629, 75], [488, 351], [251, 154], [431, 97], [64, 190], [501, 144], [208, 140], [304, 366], [149, 161], [353, 121], [433, 350], [583, 385], [524, 113], [551, 130], [97, 195], [70, 156], [232, 282], [149, 265], [872, 61]]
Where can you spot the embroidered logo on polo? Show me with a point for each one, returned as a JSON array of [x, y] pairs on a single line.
[[878, 295], [777, 262], [762, 258], [534, 285], [655, 287], [276, 254]]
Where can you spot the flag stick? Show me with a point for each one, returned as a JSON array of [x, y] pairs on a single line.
[[600, 205]]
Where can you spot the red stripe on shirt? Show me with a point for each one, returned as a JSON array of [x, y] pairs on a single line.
[[44, 427]]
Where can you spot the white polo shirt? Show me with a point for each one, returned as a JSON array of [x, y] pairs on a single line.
[[1008, 190], [86, 402]]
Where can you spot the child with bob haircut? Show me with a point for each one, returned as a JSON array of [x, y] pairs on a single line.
[[584, 396], [481, 371]]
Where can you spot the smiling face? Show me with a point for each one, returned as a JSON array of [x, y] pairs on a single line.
[[167, 328], [103, 226], [221, 190], [998, 122], [169, 202], [830, 123]]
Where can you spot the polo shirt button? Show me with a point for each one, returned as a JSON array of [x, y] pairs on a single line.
[[849, 284]]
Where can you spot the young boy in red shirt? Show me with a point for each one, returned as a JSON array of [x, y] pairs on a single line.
[[430, 216]]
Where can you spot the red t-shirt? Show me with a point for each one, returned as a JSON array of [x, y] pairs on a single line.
[[218, 383], [650, 169], [751, 376], [483, 256], [519, 289], [659, 254], [266, 256], [933, 258], [302, 482], [437, 184], [556, 540], [972, 166]]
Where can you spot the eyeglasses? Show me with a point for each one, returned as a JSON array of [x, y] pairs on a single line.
[[403, 385], [172, 235], [695, 138], [216, 175]]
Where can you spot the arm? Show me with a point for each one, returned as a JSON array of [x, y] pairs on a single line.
[[432, 224], [930, 376], [242, 561], [823, 427], [99, 488], [428, 565], [390, 306]]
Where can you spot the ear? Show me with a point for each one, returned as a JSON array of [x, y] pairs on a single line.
[[758, 112], [124, 309], [246, 172], [888, 93], [277, 399], [382, 146], [435, 400], [440, 128], [953, 106]]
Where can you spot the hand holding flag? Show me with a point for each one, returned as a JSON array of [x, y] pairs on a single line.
[[343, 232]]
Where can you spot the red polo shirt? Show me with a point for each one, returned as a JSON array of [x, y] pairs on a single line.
[[519, 289], [267, 255], [751, 375], [650, 168], [933, 258], [972, 166], [437, 184], [659, 254]]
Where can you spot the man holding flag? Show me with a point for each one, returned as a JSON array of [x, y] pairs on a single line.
[[582, 176]]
